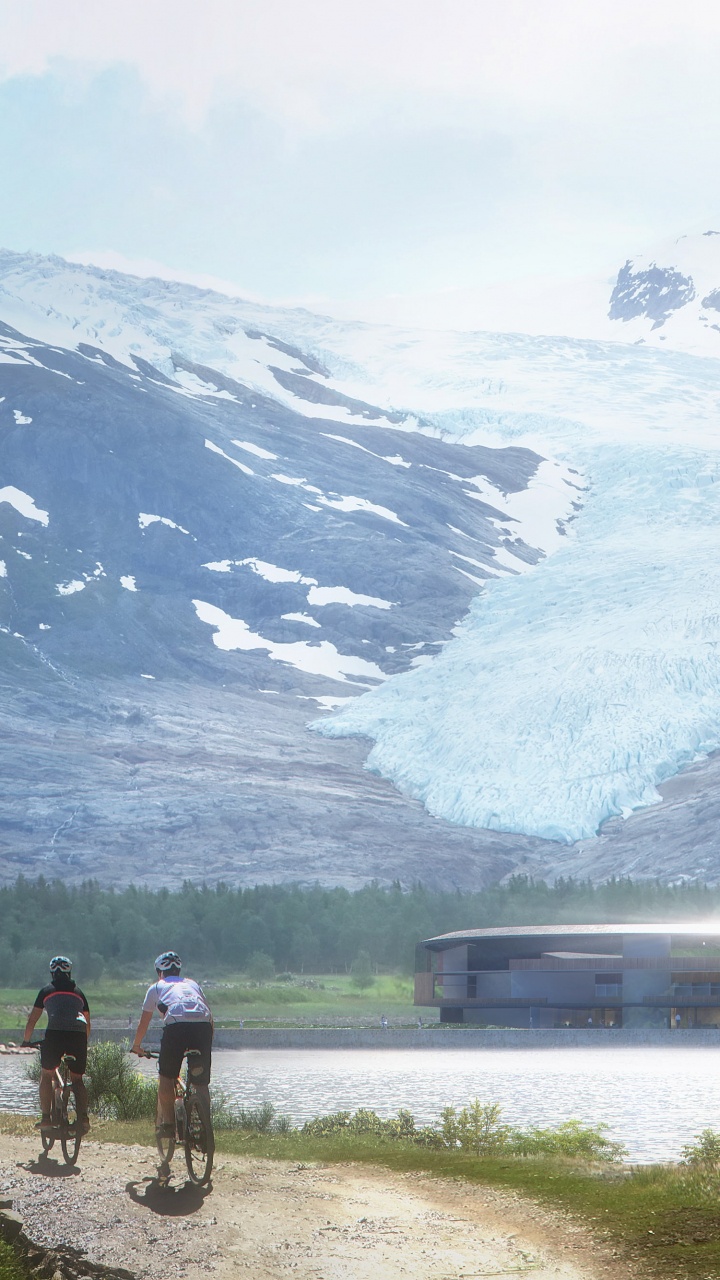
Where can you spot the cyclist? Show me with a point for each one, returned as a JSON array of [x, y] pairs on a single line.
[[67, 1033], [188, 1024]]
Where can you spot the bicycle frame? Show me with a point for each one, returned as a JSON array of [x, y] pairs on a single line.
[[64, 1126], [193, 1130]]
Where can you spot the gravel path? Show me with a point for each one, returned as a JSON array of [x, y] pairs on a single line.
[[269, 1220]]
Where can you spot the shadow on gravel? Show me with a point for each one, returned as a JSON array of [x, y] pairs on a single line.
[[170, 1202], [48, 1168]]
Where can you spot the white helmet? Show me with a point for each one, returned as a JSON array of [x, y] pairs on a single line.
[[168, 960], [60, 964]]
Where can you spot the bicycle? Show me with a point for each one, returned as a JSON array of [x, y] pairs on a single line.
[[193, 1130], [63, 1112]]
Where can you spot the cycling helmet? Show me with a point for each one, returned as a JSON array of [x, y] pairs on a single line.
[[60, 964], [168, 960]]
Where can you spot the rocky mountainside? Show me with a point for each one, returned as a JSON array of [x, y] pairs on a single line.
[[230, 534], [190, 571]]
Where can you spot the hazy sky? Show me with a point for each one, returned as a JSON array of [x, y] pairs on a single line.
[[351, 149]]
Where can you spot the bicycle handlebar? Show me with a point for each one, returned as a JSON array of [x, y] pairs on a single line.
[[150, 1053]]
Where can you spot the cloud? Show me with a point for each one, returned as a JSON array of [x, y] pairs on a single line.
[[319, 64]]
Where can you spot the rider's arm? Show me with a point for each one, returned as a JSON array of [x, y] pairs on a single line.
[[143, 1024], [33, 1017]]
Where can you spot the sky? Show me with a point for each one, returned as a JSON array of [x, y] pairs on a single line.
[[368, 157]]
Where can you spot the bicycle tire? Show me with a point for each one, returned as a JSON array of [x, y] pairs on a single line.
[[199, 1140], [70, 1142], [165, 1148], [48, 1139]]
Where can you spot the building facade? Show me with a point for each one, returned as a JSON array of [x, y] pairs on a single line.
[[595, 975]]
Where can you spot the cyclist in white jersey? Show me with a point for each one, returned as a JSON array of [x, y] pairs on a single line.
[[187, 1024]]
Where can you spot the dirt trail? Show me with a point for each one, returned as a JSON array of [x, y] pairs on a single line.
[[269, 1220]]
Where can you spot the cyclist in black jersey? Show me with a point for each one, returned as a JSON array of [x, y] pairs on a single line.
[[67, 1032]]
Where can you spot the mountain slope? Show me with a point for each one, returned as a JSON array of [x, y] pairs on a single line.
[[273, 508]]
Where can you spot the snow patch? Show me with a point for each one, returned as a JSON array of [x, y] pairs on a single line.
[[300, 617], [144, 520], [240, 465], [21, 419], [321, 659], [23, 504], [70, 588], [255, 448], [343, 595], [128, 582], [350, 504]]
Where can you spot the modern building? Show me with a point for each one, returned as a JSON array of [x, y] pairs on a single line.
[[599, 975]]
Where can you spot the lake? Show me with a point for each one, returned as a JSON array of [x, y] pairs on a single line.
[[652, 1099]]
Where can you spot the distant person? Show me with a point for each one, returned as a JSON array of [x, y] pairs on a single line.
[[67, 1032], [384, 1022], [188, 1024], [678, 1020], [590, 1021]]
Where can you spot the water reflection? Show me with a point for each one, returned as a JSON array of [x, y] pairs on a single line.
[[654, 1100]]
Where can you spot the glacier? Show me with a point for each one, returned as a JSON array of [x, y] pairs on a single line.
[[570, 693]]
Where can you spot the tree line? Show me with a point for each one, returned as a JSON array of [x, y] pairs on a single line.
[[303, 929]]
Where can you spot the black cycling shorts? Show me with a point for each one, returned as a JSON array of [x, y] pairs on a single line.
[[56, 1043], [179, 1037]]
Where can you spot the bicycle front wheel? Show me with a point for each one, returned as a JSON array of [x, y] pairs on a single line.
[[70, 1136], [199, 1140]]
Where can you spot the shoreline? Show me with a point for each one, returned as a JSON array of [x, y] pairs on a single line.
[[429, 1038]]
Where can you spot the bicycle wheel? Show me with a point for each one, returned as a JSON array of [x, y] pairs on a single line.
[[199, 1140], [166, 1147], [48, 1137], [70, 1136]]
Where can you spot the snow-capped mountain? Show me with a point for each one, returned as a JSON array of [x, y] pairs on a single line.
[[665, 297], [671, 295], [259, 507]]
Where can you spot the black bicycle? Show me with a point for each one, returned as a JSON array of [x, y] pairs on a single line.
[[64, 1119], [193, 1130]]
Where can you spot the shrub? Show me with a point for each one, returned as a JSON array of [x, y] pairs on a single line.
[[115, 1089], [705, 1150], [234, 1118], [476, 1128], [571, 1138]]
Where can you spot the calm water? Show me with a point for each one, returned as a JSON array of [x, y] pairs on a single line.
[[653, 1100]]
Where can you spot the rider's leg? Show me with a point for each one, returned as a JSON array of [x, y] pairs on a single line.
[[166, 1100], [46, 1091], [203, 1091], [81, 1098]]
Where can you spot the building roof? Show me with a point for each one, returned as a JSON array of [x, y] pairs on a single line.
[[675, 928]]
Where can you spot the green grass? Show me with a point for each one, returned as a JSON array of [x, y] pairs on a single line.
[[11, 1267], [325, 999]]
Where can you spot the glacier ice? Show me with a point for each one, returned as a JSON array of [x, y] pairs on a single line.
[[571, 691]]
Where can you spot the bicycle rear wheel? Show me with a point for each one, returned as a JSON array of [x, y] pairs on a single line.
[[166, 1147], [199, 1140], [48, 1138], [70, 1135]]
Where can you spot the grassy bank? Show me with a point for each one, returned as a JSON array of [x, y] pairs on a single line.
[[666, 1220], [298, 1000], [10, 1266]]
